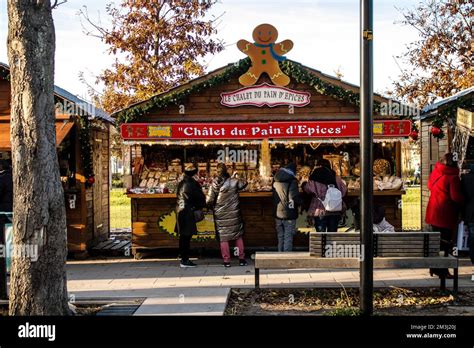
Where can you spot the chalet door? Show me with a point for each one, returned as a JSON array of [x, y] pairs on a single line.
[[97, 188]]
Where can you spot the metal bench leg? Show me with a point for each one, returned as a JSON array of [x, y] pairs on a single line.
[[442, 283], [257, 278], [455, 282]]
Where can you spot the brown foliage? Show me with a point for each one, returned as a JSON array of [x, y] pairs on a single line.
[[158, 44], [441, 60]]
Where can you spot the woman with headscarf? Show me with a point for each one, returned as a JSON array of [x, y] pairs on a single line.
[[322, 178], [223, 198]]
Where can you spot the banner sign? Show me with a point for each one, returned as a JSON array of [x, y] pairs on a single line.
[[265, 94], [255, 130], [465, 119]]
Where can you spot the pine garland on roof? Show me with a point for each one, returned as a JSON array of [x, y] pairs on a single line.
[[449, 112], [301, 75], [296, 71]]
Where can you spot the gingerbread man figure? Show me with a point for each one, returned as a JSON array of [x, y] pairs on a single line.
[[265, 55]]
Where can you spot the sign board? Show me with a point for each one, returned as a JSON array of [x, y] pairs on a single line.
[[257, 130], [205, 228], [265, 94], [465, 120]]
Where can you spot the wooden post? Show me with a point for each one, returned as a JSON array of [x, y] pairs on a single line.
[[265, 159]]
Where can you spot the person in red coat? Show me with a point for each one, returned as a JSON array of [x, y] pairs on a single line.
[[445, 204]]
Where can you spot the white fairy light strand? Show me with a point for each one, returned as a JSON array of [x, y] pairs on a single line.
[[258, 142]]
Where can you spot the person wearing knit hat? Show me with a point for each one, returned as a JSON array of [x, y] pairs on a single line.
[[322, 183], [190, 169], [286, 199], [190, 199]]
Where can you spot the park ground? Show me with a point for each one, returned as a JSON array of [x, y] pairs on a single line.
[[345, 302], [211, 289], [123, 286]]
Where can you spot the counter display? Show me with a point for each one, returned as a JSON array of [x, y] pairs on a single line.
[[154, 197]]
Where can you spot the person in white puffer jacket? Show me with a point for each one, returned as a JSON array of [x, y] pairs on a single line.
[[380, 224]]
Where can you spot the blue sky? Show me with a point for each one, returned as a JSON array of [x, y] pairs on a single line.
[[324, 32]]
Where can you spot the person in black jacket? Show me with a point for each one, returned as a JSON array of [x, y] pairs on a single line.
[[190, 198], [286, 199], [6, 187], [467, 186]]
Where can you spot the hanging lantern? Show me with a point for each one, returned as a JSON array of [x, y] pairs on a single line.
[[413, 135], [437, 132], [437, 128], [90, 181]]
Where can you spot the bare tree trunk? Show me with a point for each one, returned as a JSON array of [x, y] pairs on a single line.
[[38, 287]]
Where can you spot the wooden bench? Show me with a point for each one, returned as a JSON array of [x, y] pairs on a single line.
[[395, 250]]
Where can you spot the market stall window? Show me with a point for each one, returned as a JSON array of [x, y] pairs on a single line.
[[67, 161], [344, 158], [158, 168]]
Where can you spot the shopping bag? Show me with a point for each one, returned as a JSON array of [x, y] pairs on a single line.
[[463, 235]]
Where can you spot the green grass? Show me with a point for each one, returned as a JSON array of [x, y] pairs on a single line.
[[120, 209], [413, 195], [411, 209]]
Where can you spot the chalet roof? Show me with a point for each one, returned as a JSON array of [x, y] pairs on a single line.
[[86, 107], [325, 77], [432, 108]]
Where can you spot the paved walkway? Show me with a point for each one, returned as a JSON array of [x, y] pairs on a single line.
[[186, 301], [203, 290]]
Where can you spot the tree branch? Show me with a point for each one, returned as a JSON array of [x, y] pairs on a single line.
[[85, 14], [57, 3]]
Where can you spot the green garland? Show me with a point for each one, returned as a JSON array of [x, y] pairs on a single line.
[[438, 122], [302, 75], [85, 131], [449, 111], [176, 98], [292, 69]]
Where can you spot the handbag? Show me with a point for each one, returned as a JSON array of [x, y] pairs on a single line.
[[199, 215]]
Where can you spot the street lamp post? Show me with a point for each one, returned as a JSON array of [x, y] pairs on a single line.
[[366, 156]]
